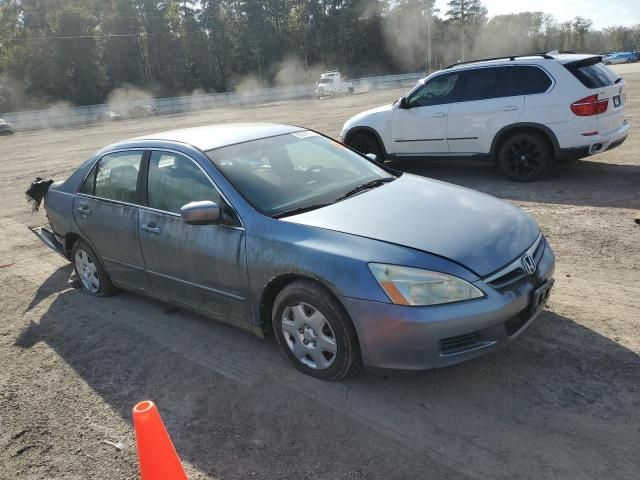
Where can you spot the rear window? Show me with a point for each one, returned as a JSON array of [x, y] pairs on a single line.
[[526, 80], [592, 73], [481, 84]]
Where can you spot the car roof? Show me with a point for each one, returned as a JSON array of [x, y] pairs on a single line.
[[563, 58], [209, 137]]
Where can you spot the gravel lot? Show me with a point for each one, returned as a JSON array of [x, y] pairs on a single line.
[[560, 402]]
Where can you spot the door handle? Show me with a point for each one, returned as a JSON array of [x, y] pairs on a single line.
[[439, 114], [151, 228], [509, 108], [84, 210]]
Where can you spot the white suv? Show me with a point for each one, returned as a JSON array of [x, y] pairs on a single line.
[[523, 111]]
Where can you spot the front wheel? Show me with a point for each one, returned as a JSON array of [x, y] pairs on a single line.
[[366, 142], [525, 157], [90, 272], [314, 332]]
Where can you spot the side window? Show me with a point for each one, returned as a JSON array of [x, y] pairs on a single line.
[[482, 84], [116, 176], [437, 91], [526, 80], [175, 180]]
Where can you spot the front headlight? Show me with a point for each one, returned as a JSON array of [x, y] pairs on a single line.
[[414, 286]]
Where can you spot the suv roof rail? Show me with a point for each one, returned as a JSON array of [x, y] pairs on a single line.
[[510, 57]]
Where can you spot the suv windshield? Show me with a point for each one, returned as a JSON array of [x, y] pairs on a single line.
[[294, 171]]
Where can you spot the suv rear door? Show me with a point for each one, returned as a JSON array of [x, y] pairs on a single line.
[[607, 85], [483, 107]]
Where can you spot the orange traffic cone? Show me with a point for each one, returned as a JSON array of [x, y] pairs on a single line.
[[157, 455]]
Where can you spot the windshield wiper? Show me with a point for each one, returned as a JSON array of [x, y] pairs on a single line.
[[366, 186], [297, 210]]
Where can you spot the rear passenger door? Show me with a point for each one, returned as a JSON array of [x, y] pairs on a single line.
[[482, 109], [201, 265], [106, 212]]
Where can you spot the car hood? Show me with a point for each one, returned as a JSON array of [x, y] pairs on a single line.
[[478, 231]]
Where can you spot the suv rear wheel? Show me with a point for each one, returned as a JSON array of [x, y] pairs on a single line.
[[525, 157]]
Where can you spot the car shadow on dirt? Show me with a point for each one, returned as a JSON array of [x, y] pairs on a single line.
[[581, 183], [234, 406]]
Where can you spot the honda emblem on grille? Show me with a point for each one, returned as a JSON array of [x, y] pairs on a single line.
[[528, 264]]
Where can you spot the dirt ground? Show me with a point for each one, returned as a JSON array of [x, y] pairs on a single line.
[[562, 401]]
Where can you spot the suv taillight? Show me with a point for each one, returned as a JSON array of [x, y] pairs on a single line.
[[589, 106]]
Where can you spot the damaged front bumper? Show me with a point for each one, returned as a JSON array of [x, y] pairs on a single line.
[[51, 240]]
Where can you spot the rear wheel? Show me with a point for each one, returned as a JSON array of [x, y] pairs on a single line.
[[90, 272], [525, 157], [366, 142], [314, 332]]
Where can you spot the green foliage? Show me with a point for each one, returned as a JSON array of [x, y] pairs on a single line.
[[80, 51]]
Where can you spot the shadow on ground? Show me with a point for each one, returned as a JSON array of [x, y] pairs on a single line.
[[561, 401], [610, 185]]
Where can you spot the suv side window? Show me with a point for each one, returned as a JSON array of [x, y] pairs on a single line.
[[482, 84], [437, 91], [526, 80], [114, 177], [175, 180]]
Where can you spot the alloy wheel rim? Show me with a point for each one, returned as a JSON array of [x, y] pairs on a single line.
[[87, 270], [524, 158], [309, 336]]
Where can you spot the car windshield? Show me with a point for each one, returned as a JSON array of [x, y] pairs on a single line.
[[325, 80], [296, 171]]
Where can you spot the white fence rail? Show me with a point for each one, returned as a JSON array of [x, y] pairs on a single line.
[[56, 117]]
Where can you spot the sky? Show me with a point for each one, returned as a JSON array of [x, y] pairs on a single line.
[[603, 14]]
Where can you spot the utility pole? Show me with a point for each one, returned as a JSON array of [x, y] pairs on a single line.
[[429, 20], [462, 21], [257, 52]]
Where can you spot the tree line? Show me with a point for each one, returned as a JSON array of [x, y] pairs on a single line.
[[79, 51]]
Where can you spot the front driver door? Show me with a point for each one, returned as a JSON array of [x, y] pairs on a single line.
[[419, 124], [201, 265]]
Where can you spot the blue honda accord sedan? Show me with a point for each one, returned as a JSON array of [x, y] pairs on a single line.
[[277, 228]]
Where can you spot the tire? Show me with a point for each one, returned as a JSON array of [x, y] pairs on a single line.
[[525, 157], [366, 142], [314, 332], [351, 91], [90, 272]]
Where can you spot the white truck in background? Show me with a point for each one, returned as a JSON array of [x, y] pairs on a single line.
[[332, 83]]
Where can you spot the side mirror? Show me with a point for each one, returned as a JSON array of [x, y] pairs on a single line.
[[371, 156], [403, 103], [205, 212]]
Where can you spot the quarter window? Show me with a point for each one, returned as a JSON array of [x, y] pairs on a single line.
[[437, 91], [115, 177]]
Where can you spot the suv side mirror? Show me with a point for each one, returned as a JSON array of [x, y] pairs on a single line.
[[404, 103], [204, 212]]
